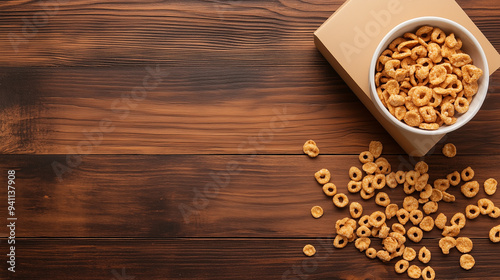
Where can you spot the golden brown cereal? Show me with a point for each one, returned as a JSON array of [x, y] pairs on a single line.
[[399, 252], [408, 189], [464, 244], [343, 222], [364, 221], [363, 231], [415, 234], [362, 243], [383, 255], [365, 195], [354, 187], [467, 261], [401, 266], [440, 221], [371, 253], [421, 182], [403, 216], [495, 234], [390, 244], [410, 203], [356, 210], [390, 180], [383, 166], [340, 200], [430, 207], [377, 219], [453, 178], [383, 231], [376, 147], [365, 157], [428, 273], [355, 174], [391, 210], [467, 174], [472, 211], [330, 189], [414, 272], [449, 150], [400, 177], [310, 148], [382, 199], [470, 189], [495, 213], [412, 176], [426, 192], [369, 167], [423, 200], [378, 181], [448, 197], [460, 59], [409, 254], [490, 186], [436, 195], [452, 230], [441, 184], [399, 228], [485, 206], [421, 167], [427, 223], [322, 176], [459, 220], [424, 255], [416, 216], [446, 244], [340, 241], [317, 212], [399, 237], [309, 250]]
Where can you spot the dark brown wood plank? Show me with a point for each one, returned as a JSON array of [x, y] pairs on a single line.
[[225, 259], [196, 196]]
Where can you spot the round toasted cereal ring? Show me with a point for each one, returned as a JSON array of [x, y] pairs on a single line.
[[495, 234], [399, 228], [414, 272], [365, 157], [382, 199], [464, 244], [367, 185], [322, 176], [403, 216], [426, 192], [459, 220], [485, 206], [438, 35], [408, 189], [364, 221], [436, 195], [437, 75], [310, 149], [376, 147], [428, 273], [409, 254], [470, 89], [364, 195], [430, 207], [401, 266], [470, 189], [390, 244], [418, 52], [421, 95], [452, 230], [447, 109], [435, 100], [362, 243], [340, 200], [400, 177], [460, 59], [356, 210], [317, 212], [354, 187], [383, 166], [363, 231], [416, 216], [391, 210], [421, 167], [441, 184], [394, 44], [371, 253], [412, 118], [421, 182], [472, 211], [440, 221], [425, 32], [377, 219], [453, 178], [427, 223], [390, 180], [424, 255], [449, 150], [369, 167], [490, 186], [383, 255], [471, 73], [467, 261], [467, 174], [410, 203], [446, 244], [309, 250], [391, 66], [415, 234], [340, 241], [412, 176], [330, 189], [495, 213], [355, 174], [378, 181], [450, 41]]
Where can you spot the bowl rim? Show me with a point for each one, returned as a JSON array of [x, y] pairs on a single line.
[[442, 130]]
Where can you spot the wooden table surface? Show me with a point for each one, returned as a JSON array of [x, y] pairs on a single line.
[[163, 140]]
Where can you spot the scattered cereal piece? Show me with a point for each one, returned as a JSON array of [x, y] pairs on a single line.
[[414, 272], [427, 223], [428, 273], [391, 210], [440, 221], [449, 150], [310, 148], [398, 228], [430, 207], [486, 206], [490, 186], [459, 220], [421, 167], [371, 253], [369, 167], [364, 221], [470, 189], [390, 180], [410, 203], [467, 174], [317, 212], [377, 219], [365, 157], [382, 199], [424, 255], [390, 244], [416, 216], [400, 176], [448, 197], [362, 243], [340, 241], [401, 266], [451, 231], [356, 210], [403, 216], [409, 254], [322, 176], [364, 195], [441, 184], [454, 178], [464, 244], [375, 148], [436, 195], [355, 174], [330, 189], [495, 213], [354, 187], [378, 181], [467, 261], [363, 231], [446, 244], [415, 234], [309, 250], [383, 255], [495, 234], [340, 200], [412, 176], [472, 211]]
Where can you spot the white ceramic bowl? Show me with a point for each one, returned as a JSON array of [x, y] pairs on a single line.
[[470, 46]]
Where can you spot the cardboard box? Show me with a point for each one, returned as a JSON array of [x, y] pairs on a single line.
[[350, 36]]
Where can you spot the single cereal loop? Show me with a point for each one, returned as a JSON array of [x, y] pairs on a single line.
[[472, 211], [399, 228], [369, 167], [356, 210], [400, 176], [363, 231], [410, 203], [464, 244], [378, 181], [459, 220], [364, 195], [426, 192], [390, 180], [412, 176], [422, 182], [490, 186], [437, 75], [470, 189], [317, 211], [414, 272], [401, 266], [371, 253], [364, 221], [416, 216], [355, 174], [362, 243], [354, 187], [452, 230], [446, 244], [322, 176], [384, 167], [309, 250], [376, 147], [330, 189], [340, 241], [453, 178], [449, 150], [421, 167], [403, 216], [365, 157], [382, 199], [436, 195], [467, 261], [427, 223], [441, 184], [495, 213], [495, 234], [486, 206], [391, 210], [377, 219], [440, 221], [424, 255], [408, 189], [438, 35], [428, 273], [390, 244], [415, 234], [340, 200], [467, 174], [367, 185], [409, 254]]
